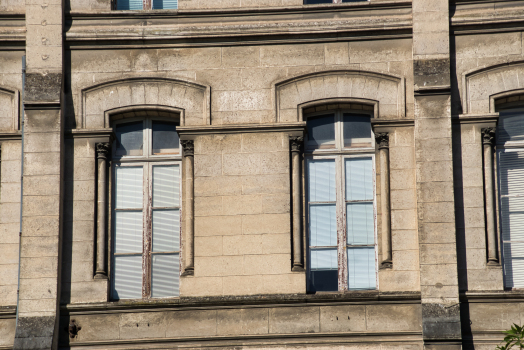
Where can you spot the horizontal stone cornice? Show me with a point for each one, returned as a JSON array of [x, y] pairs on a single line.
[[152, 26]]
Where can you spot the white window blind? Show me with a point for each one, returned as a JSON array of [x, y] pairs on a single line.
[[511, 187], [360, 224], [128, 233]]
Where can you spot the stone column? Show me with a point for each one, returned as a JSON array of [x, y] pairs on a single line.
[[39, 294], [296, 179], [382, 140], [103, 151], [189, 247], [441, 328], [488, 140]]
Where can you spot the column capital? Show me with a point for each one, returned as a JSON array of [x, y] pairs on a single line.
[[488, 136], [296, 143], [103, 149], [188, 148], [382, 139]]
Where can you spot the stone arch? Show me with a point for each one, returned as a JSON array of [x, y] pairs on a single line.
[[385, 92], [99, 101], [9, 109], [481, 87]]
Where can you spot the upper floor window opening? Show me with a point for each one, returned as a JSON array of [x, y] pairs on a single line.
[[146, 209], [146, 4], [340, 200], [510, 166]]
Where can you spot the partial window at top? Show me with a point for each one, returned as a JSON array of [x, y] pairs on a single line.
[[146, 4]]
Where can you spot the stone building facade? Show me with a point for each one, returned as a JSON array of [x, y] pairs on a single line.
[[261, 174]]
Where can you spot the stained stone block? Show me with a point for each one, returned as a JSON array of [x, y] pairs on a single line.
[[343, 318], [242, 321], [197, 323], [294, 320], [393, 317]]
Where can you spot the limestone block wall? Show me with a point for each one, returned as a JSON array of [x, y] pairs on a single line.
[[390, 325], [474, 272], [242, 217], [105, 5], [496, 49], [12, 6], [241, 77], [404, 276], [78, 259], [10, 220]]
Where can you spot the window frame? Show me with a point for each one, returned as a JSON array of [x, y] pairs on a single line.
[[147, 161], [506, 147], [340, 153], [147, 5]]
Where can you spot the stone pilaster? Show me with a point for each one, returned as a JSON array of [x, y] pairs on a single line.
[[382, 140], [188, 147], [434, 162], [103, 151], [296, 166], [39, 293], [488, 141]]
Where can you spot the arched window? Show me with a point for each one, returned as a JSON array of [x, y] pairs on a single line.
[[340, 194], [146, 209], [510, 164]]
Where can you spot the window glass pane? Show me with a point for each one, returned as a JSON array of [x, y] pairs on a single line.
[[514, 265], [128, 232], [127, 277], [129, 187], [359, 179], [165, 137], [129, 5], [166, 185], [166, 230], [361, 268], [322, 225], [510, 126], [129, 139], [511, 170], [322, 259], [360, 223], [321, 180], [323, 281], [357, 130], [165, 4], [321, 131], [512, 218], [165, 276]]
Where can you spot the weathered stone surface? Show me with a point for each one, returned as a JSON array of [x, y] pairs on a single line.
[[40, 87]]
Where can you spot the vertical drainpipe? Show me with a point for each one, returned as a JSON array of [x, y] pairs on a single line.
[[22, 112]]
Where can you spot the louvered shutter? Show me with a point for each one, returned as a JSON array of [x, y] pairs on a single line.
[[511, 187]]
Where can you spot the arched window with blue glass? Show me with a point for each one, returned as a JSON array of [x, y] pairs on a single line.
[[340, 196]]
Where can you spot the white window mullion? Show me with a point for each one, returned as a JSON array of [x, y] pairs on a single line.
[[146, 256], [341, 226]]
